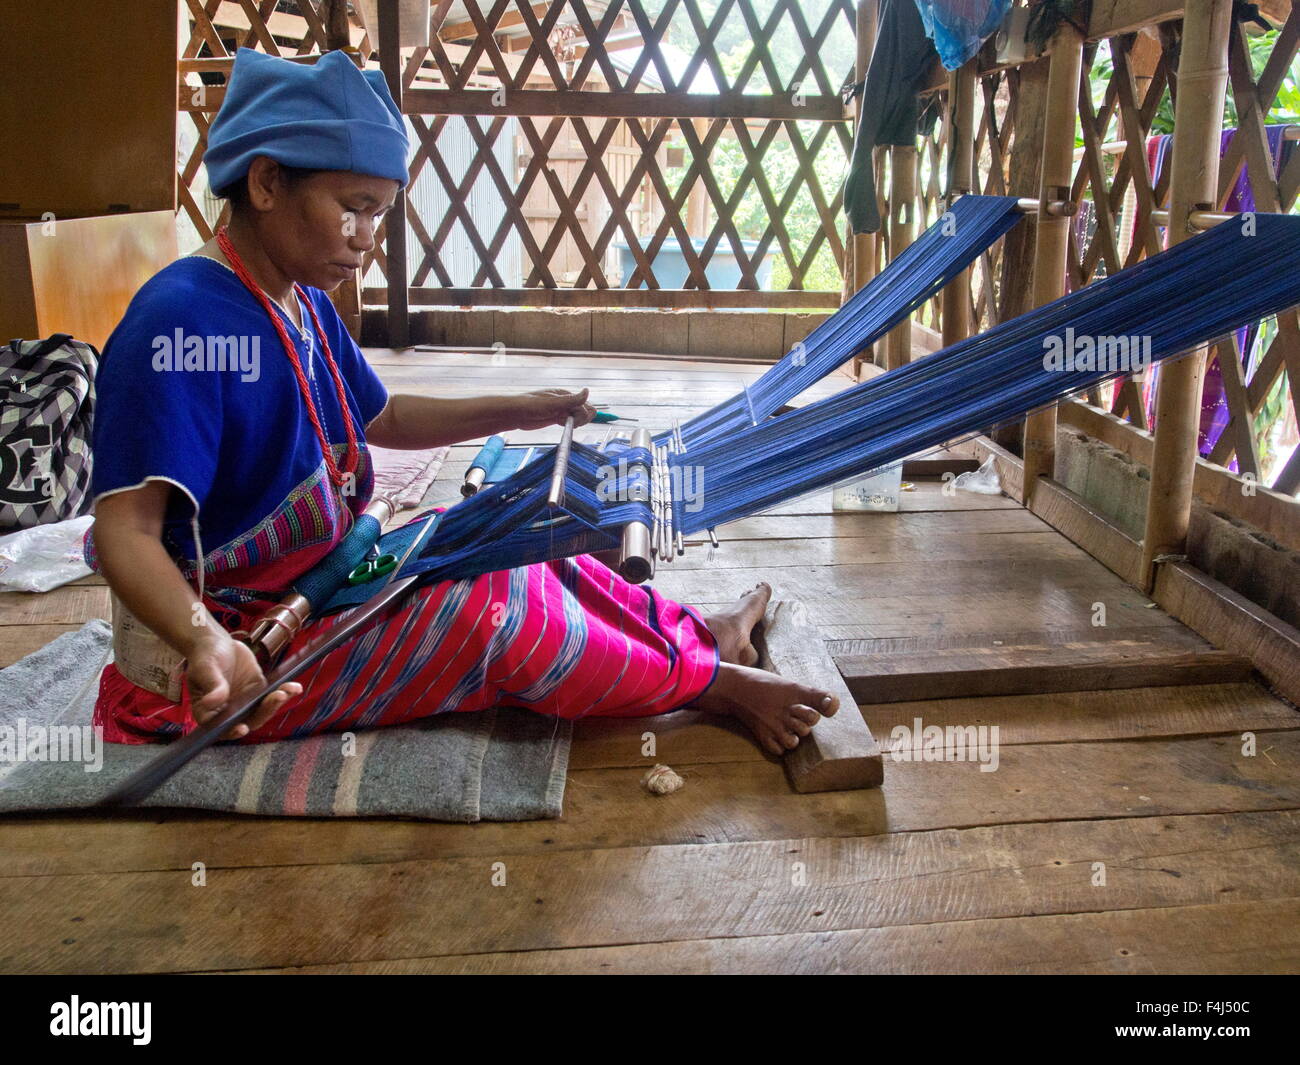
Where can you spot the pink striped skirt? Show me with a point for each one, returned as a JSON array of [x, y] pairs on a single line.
[[568, 638]]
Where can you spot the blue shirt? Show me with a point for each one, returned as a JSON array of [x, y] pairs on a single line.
[[195, 387]]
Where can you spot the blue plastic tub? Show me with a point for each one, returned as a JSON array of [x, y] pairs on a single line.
[[722, 270]]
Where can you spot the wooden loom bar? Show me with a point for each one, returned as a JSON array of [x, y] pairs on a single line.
[[1198, 117], [1053, 236], [390, 61]]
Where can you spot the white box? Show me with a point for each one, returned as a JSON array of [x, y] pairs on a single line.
[[878, 490]]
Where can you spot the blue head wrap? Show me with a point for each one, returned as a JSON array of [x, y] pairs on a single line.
[[323, 116]]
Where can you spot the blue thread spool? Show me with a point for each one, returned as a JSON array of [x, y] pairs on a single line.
[[482, 465]]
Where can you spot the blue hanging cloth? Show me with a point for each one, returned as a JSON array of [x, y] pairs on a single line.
[[958, 27]]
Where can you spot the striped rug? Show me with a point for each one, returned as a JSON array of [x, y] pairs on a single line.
[[498, 765]]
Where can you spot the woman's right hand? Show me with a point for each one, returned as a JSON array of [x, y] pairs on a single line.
[[221, 671]]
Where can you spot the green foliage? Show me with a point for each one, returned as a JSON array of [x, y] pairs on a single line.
[[1286, 108]]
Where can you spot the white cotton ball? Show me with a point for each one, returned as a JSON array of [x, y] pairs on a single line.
[[661, 780]]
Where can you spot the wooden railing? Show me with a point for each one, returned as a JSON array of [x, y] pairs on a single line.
[[577, 118], [666, 132], [1119, 223]]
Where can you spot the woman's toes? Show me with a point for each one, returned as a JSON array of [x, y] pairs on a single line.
[[805, 714], [790, 740], [799, 728]]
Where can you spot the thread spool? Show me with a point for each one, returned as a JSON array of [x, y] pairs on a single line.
[[479, 470], [275, 629]]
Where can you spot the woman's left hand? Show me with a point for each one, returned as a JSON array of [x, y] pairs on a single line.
[[551, 406]]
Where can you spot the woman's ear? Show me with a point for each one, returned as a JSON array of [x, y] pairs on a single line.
[[265, 183]]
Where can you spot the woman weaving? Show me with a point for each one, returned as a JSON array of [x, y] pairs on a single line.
[[216, 486]]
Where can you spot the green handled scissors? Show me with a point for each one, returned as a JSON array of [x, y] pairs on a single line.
[[373, 568], [378, 565]]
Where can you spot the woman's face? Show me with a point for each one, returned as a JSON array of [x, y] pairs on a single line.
[[317, 229]]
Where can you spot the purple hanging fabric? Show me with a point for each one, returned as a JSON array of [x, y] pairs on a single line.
[[1214, 403]]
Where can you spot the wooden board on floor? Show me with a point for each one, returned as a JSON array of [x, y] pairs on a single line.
[[840, 753], [1232, 621], [1025, 670]]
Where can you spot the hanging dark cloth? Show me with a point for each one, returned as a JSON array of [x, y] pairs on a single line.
[[889, 107]]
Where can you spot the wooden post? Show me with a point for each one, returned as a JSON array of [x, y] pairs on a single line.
[[338, 33], [347, 297], [1053, 237], [961, 143], [860, 248], [390, 61], [1194, 178], [902, 231]]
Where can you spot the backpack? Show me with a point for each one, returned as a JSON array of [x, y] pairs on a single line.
[[47, 395]]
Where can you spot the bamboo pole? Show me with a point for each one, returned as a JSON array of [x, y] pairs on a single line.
[[961, 143], [860, 248], [390, 61], [1194, 179], [902, 231], [1053, 230]]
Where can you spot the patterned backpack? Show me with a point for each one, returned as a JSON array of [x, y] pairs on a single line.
[[47, 395]]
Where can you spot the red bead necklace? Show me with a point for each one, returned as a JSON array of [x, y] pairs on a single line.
[[352, 455]]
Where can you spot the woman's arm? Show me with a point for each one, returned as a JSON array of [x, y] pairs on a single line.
[[128, 544], [414, 422]]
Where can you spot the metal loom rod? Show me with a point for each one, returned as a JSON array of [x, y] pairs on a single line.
[[562, 453], [634, 562]]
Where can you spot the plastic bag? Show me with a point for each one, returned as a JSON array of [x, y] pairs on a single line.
[[44, 556], [985, 480], [958, 27]]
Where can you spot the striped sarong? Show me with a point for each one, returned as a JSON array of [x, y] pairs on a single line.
[[568, 638]]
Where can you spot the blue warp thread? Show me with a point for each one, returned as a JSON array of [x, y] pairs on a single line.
[[1195, 292]]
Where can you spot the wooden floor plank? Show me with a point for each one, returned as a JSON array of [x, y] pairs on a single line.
[[721, 802], [935, 872], [243, 918], [1251, 938], [70, 605], [18, 641]]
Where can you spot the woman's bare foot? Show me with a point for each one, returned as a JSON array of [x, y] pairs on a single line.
[[733, 627], [779, 712]]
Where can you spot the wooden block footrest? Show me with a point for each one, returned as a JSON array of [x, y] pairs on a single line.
[[840, 753]]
